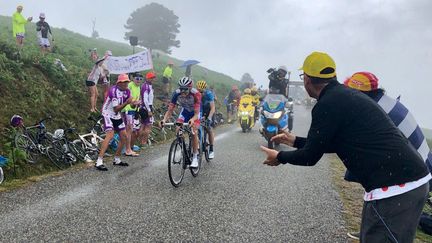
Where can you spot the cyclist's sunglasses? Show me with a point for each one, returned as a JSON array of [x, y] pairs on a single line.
[[139, 78]]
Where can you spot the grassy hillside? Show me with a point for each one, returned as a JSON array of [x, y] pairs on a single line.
[[427, 133], [34, 87]]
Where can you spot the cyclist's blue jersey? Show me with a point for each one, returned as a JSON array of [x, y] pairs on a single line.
[[207, 98]]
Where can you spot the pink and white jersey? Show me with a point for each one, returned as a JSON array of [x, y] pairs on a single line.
[[115, 97]]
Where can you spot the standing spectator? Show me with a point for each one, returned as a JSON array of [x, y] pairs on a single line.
[[18, 26], [350, 124], [118, 97], [105, 76], [146, 109], [93, 54], [130, 113], [367, 83], [42, 29], [91, 82], [166, 79]]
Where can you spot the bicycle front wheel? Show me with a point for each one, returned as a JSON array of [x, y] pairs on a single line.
[[176, 160], [26, 144], [195, 170], [1, 175], [58, 157], [76, 150]]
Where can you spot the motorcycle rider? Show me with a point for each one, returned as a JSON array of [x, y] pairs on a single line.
[[257, 100], [278, 83], [208, 109], [233, 100]]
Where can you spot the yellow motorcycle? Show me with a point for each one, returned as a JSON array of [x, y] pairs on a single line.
[[246, 113]]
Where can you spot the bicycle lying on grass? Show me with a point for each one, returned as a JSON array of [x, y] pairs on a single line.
[[36, 141]]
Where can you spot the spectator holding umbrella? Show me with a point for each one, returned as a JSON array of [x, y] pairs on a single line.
[[18, 26]]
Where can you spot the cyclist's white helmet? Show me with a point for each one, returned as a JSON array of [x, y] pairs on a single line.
[[185, 82], [284, 68]]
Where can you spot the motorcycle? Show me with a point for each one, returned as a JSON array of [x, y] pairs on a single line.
[[274, 117], [246, 114], [290, 109]]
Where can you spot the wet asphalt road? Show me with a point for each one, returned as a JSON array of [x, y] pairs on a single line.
[[234, 199]]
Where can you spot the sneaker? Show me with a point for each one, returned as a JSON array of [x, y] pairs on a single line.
[[87, 159], [211, 155], [121, 163], [101, 167], [354, 235], [194, 163]]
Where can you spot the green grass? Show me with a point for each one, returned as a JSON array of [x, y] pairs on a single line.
[[34, 87], [427, 132]]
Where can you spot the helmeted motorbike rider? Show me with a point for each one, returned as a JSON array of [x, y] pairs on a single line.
[[256, 102], [233, 101], [278, 83]]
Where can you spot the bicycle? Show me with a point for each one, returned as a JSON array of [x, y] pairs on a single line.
[[203, 135], [180, 154], [3, 162], [39, 143], [89, 142], [73, 151]]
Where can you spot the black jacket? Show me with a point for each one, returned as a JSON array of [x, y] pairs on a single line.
[[349, 123]]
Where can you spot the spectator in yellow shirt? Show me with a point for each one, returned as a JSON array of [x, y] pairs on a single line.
[[166, 80], [18, 26]]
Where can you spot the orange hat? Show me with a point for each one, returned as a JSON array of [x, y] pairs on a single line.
[[123, 78], [363, 81], [150, 75]]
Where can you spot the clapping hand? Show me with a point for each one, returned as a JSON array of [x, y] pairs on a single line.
[[285, 138], [271, 159]]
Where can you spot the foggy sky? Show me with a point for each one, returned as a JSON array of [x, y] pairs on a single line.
[[391, 38]]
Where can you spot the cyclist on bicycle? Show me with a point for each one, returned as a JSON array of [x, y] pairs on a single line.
[[118, 97], [208, 109], [190, 100]]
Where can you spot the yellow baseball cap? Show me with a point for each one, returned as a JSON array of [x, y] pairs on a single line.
[[319, 65]]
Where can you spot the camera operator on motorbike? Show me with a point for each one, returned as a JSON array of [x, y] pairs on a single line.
[[189, 99], [208, 109], [278, 83]]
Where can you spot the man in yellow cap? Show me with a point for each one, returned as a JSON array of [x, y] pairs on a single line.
[[18, 26], [350, 124]]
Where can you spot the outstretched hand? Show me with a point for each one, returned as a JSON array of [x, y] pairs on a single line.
[[285, 138], [271, 154]]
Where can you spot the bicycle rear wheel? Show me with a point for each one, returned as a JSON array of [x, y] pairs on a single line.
[[176, 162], [206, 145]]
